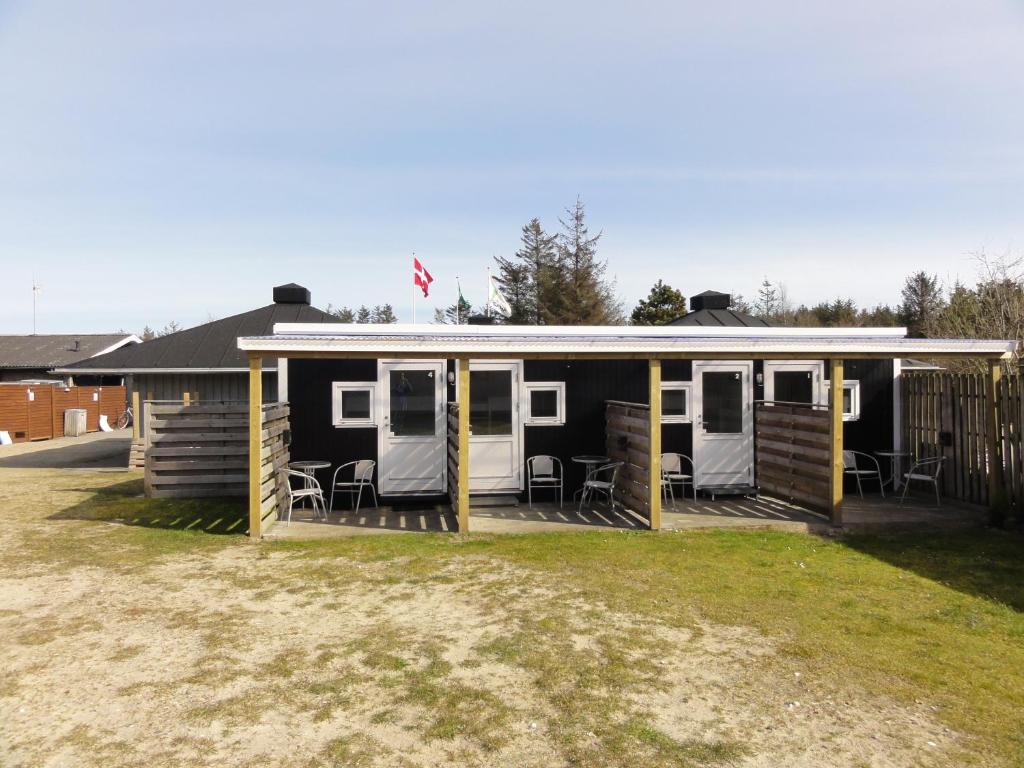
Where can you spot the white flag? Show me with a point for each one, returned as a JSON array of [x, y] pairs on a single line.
[[496, 298]]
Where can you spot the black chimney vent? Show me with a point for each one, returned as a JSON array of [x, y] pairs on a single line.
[[481, 320], [710, 300], [290, 293]]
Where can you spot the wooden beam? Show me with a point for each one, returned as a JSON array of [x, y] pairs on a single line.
[[255, 430], [442, 354], [186, 398], [138, 415], [463, 468], [836, 433], [654, 449], [994, 448]]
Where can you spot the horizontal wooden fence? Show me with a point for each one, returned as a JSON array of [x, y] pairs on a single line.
[[793, 449], [203, 450], [36, 411], [628, 435], [946, 414]]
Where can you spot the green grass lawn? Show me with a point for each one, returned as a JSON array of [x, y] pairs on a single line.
[[929, 621]]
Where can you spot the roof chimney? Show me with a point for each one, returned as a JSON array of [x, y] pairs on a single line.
[[710, 300], [291, 293]]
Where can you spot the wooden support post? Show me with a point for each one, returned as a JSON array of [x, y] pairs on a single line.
[[138, 415], [994, 444], [654, 440], [836, 431], [186, 398], [463, 501], [255, 443]]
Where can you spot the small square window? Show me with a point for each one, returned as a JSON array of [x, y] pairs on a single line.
[[352, 404], [675, 402], [545, 403]]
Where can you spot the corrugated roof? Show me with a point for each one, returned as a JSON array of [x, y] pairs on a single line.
[[50, 350], [209, 346]]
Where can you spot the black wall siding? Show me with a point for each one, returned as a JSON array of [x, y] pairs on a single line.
[[873, 431], [309, 396], [588, 384]]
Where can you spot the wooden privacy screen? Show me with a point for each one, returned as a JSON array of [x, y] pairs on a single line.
[[945, 414], [42, 416], [203, 450], [793, 446], [453, 456], [628, 436]]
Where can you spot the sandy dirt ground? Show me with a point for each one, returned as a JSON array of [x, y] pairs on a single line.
[[244, 655]]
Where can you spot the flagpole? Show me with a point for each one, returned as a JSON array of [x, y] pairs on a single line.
[[458, 300], [487, 309], [414, 289]]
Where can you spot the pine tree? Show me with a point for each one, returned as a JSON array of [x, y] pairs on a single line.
[[922, 303], [584, 296], [147, 334], [384, 313], [363, 315], [662, 305], [344, 314]]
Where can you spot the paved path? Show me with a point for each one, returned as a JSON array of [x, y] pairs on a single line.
[[96, 450]]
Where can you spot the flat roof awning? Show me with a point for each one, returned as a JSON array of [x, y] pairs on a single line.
[[567, 342]]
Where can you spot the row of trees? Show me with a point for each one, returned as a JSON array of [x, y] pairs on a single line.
[[382, 313]]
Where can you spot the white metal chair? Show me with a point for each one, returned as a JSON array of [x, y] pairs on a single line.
[[362, 477], [672, 466], [540, 473], [601, 480], [851, 467], [926, 470], [310, 490]]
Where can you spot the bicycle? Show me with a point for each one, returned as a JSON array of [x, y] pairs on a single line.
[[126, 418]]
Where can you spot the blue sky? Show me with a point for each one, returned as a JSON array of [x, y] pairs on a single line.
[[173, 160]]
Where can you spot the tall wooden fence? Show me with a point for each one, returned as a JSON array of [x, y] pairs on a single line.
[[203, 450], [793, 448], [628, 435], [36, 411], [946, 414]]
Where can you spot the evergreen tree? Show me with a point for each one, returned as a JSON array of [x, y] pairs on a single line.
[[344, 314], [147, 334], [922, 303], [580, 293], [384, 313], [363, 315], [529, 280], [662, 305], [171, 327]]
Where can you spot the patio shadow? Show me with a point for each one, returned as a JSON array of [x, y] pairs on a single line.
[[985, 563], [126, 504]]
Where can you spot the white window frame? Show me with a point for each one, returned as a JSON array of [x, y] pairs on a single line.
[[854, 386], [678, 386], [338, 388], [558, 419]]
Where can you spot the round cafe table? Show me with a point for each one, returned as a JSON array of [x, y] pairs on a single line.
[[590, 462], [309, 467], [895, 466]]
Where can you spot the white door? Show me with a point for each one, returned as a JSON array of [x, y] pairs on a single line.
[[412, 434], [794, 381], [723, 427], [495, 429]]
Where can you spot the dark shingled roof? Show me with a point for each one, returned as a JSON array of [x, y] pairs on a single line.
[[213, 345], [51, 350], [720, 317]]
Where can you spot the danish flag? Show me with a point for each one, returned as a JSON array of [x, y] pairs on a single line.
[[421, 277]]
